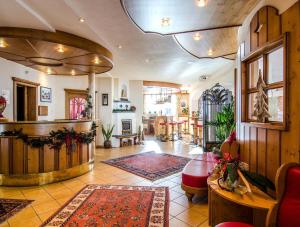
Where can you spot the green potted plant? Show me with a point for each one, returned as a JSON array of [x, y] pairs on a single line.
[[107, 133], [224, 122]]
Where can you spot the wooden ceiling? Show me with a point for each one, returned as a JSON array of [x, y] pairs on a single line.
[[55, 53], [217, 22]]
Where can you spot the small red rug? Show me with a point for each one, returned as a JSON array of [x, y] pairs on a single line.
[[114, 206], [150, 165], [9, 207]]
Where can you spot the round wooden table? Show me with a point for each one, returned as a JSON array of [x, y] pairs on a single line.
[[226, 206]]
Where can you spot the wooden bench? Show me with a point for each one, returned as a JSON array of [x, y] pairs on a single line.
[[132, 137]]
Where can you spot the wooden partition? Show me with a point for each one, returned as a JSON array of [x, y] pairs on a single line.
[[266, 148], [22, 164]]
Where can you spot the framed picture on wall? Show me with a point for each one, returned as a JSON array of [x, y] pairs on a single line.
[[45, 94], [104, 99]]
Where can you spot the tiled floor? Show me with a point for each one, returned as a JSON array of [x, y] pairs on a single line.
[[48, 198]]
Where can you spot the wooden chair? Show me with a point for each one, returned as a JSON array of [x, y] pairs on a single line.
[[286, 212]]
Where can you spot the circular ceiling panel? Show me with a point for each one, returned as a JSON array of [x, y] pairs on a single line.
[[55, 53]]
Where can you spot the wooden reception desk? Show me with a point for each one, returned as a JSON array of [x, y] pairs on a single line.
[[22, 164]]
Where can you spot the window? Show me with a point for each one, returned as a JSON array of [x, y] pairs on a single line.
[[270, 60]]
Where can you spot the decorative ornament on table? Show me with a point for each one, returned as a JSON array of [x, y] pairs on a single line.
[[261, 105]]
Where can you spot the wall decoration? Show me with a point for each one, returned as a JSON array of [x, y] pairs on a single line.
[[104, 99], [2, 106], [261, 105], [45, 94], [43, 110], [6, 94], [183, 105]]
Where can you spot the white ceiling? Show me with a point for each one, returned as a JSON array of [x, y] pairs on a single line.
[[107, 24]]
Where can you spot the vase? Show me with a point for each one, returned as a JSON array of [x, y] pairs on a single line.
[[107, 144]]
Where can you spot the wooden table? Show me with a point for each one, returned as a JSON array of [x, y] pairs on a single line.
[[225, 206], [130, 136]]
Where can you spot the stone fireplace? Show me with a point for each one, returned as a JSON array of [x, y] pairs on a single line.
[[126, 126]]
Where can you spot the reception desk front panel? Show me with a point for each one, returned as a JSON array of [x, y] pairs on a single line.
[[22, 164]]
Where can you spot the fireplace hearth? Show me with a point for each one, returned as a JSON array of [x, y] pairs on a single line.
[[126, 126]]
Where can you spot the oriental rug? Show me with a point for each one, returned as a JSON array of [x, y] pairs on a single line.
[[114, 205], [9, 207], [150, 165]]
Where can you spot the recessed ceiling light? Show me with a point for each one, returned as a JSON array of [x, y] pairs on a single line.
[[210, 52], [73, 73], [190, 62], [97, 61], [81, 19], [49, 71], [120, 46], [147, 60], [3, 44], [165, 21], [197, 36], [201, 3], [60, 48]]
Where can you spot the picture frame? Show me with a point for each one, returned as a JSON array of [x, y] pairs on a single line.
[[45, 94], [104, 99]]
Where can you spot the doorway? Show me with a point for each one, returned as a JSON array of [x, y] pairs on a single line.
[[25, 100], [75, 103]]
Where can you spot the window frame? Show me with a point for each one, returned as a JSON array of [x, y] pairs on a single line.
[[264, 51]]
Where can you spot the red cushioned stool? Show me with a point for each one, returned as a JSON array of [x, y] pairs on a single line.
[[233, 224], [194, 177]]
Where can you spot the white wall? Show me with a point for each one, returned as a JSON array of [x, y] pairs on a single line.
[[104, 113], [56, 108], [137, 99], [224, 78]]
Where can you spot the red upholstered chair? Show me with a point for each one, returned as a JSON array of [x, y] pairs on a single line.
[[286, 212]]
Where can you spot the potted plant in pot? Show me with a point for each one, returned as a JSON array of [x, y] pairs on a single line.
[[107, 133]]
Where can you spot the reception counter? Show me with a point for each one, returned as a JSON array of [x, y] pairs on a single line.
[[42, 152]]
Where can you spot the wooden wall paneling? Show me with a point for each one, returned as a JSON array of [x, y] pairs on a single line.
[[261, 150], [63, 157], [262, 21], [253, 149], [273, 153], [274, 24], [247, 144], [4, 156], [18, 156], [48, 159], [33, 159], [290, 140], [253, 34]]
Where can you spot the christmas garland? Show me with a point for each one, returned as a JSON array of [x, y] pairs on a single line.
[[56, 138]]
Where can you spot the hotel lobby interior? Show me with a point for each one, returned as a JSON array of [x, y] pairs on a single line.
[[149, 113]]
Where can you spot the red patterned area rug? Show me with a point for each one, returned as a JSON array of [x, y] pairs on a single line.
[[9, 207], [115, 206], [150, 165]]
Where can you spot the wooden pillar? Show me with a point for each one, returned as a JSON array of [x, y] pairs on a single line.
[[92, 93]]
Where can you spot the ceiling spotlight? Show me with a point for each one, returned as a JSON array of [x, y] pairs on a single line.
[[120, 46], [197, 36], [49, 71], [73, 73], [3, 44], [201, 3], [81, 19], [147, 60], [61, 48], [210, 52], [165, 21], [97, 61], [190, 62]]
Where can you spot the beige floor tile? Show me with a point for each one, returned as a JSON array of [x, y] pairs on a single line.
[[176, 209], [47, 206], [191, 217], [174, 222], [174, 195], [29, 222], [183, 201]]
